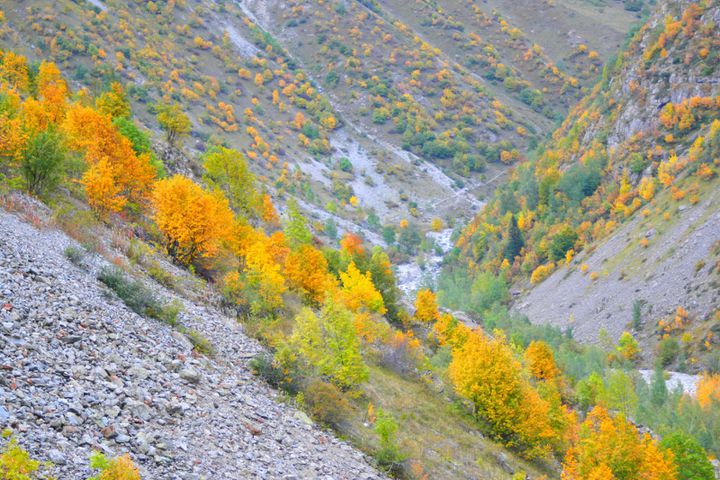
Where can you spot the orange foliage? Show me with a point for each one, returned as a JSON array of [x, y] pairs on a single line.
[[426, 307], [193, 221]]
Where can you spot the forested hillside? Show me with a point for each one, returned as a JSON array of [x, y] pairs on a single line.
[[223, 225]]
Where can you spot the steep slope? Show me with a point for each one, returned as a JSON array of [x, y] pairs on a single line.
[[623, 201], [81, 372]]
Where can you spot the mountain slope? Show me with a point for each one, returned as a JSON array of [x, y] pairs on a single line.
[[623, 201], [82, 372]]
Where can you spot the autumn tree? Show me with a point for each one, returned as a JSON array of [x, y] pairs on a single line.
[[328, 342], [426, 307], [358, 291], [612, 448], [114, 102], [708, 390], [627, 347], [228, 170], [541, 361], [193, 221], [174, 121], [306, 271], [117, 175], [485, 371]]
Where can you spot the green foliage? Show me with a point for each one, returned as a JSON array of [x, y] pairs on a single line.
[[296, 229], [227, 169], [74, 254], [345, 164], [589, 391], [138, 297], [563, 241], [515, 240], [328, 342], [118, 468], [691, 460], [133, 293], [280, 371], [637, 314], [42, 161], [388, 454], [200, 343], [620, 392], [667, 351]]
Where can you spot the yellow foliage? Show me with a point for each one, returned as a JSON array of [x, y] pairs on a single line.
[[426, 308], [608, 448], [359, 292], [541, 361], [708, 390]]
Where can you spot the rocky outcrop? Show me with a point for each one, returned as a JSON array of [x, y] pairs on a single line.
[[80, 372]]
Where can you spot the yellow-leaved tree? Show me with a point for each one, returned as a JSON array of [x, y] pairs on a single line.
[[485, 371], [359, 292], [193, 221], [612, 448], [426, 307]]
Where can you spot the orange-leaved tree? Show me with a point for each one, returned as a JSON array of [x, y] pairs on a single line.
[[193, 221], [125, 177], [541, 361]]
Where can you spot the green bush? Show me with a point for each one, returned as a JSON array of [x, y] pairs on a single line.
[[667, 351], [74, 254], [388, 454], [132, 292], [42, 161]]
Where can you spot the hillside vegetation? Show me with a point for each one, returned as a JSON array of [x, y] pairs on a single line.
[[178, 176]]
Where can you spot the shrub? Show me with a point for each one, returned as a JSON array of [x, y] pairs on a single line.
[[132, 292], [15, 463], [119, 468], [160, 275], [667, 351], [327, 404], [281, 371], [200, 343], [388, 454], [75, 255]]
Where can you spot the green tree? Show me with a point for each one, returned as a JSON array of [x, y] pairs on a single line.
[[514, 242], [296, 229], [658, 387], [590, 390], [620, 393], [329, 343], [227, 169], [563, 241], [174, 121], [42, 161], [690, 458]]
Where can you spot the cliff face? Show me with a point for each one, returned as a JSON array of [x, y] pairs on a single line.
[[656, 116], [82, 372]]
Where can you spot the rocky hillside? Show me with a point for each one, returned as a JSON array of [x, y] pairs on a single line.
[[621, 208], [82, 372]]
